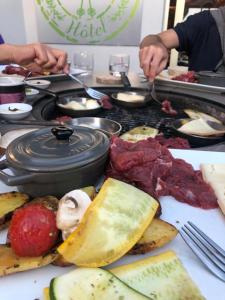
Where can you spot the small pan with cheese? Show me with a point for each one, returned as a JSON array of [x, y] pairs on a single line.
[[197, 132]]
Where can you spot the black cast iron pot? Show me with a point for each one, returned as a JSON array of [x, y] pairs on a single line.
[[55, 161]]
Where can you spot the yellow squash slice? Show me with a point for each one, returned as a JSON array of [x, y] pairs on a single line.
[[113, 223], [160, 277]]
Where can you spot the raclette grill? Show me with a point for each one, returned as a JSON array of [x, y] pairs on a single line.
[[129, 117]]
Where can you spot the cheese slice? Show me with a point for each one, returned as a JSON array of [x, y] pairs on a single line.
[[219, 189], [198, 127], [194, 114], [214, 175]]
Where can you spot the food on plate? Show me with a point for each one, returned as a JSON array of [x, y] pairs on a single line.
[[139, 133], [75, 105], [12, 263], [198, 127], [129, 97], [8, 203], [32, 230], [214, 175], [167, 108], [194, 114], [111, 226], [155, 236], [160, 277], [71, 209], [186, 77], [22, 71], [177, 70], [152, 168], [91, 283]]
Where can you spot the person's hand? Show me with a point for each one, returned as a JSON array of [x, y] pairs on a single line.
[[153, 59], [44, 57]]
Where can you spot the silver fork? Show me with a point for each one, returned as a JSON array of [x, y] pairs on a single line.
[[91, 92], [211, 254], [153, 93]]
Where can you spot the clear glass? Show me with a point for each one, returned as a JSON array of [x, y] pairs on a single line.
[[83, 62], [119, 63]]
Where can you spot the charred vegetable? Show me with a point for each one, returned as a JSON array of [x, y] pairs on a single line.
[[115, 220], [155, 236], [8, 203], [12, 263], [33, 231]]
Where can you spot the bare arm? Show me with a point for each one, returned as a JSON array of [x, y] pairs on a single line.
[[154, 50], [42, 55]]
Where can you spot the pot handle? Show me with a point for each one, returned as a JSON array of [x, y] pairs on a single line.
[[12, 180]]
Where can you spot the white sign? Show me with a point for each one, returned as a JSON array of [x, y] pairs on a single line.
[[112, 22]]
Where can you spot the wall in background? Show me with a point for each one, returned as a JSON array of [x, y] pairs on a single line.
[[12, 26], [152, 22]]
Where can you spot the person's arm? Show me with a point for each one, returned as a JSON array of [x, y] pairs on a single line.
[[42, 55], [154, 52]]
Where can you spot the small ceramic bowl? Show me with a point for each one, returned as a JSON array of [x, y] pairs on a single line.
[[15, 111], [39, 83]]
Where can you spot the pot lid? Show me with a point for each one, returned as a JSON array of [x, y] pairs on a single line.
[[57, 149]]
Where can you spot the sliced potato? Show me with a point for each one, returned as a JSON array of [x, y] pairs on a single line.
[[139, 133], [50, 202], [112, 224], [8, 203], [155, 236], [61, 262], [12, 263]]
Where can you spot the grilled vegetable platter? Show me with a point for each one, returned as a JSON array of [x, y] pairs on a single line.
[[115, 247]]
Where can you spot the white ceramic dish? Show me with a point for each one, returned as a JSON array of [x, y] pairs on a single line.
[[29, 284], [40, 83], [15, 111], [11, 81]]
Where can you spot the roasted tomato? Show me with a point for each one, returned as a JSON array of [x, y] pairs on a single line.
[[33, 230]]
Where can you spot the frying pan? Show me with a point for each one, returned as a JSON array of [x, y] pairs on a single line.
[[199, 141], [61, 101], [127, 92]]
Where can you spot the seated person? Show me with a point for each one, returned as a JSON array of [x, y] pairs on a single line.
[[201, 36], [35, 56]]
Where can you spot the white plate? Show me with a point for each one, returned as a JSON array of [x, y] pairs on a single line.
[[165, 78], [29, 285]]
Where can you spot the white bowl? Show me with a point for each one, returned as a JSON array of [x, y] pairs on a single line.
[[11, 81], [15, 111], [40, 83]]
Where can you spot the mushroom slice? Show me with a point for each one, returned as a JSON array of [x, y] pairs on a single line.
[[71, 209]]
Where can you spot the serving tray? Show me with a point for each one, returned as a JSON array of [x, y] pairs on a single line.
[[29, 285]]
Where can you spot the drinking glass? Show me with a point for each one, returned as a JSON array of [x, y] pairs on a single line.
[[119, 63], [83, 62]]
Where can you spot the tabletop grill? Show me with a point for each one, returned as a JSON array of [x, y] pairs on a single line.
[[150, 115]]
